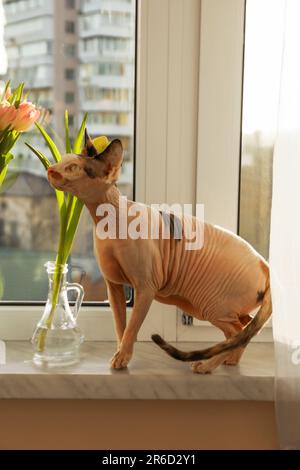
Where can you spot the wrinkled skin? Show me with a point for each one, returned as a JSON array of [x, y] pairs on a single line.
[[220, 283]]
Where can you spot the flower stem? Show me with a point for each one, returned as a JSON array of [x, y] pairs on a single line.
[[57, 279], [58, 276]]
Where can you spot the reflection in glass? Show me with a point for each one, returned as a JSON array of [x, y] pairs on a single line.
[[77, 55]]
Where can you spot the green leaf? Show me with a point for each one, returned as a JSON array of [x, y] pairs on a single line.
[[7, 158], [43, 159], [51, 145], [8, 141], [60, 196], [5, 90], [68, 143], [13, 139], [72, 226], [46, 163], [70, 209], [19, 93], [4, 132], [2, 174], [4, 160], [79, 137]]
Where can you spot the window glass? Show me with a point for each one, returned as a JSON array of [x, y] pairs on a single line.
[[70, 50], [70, 74], [263, 53], [69, 97], [49, 59], [70, 3], [70, 27]]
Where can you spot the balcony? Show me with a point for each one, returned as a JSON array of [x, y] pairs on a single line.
[[46, 82], [21, 32], [87, 57], [31, 82], [105, 105], [88, 6], [18, 63], [112, 130], [14, 12], [107, 81], [107, 29]]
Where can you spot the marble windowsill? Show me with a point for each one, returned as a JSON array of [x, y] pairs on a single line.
[[151, 375]]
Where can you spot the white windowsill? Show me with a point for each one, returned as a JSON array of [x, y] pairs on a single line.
[[151, 375]]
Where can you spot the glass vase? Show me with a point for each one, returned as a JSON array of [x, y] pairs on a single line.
[[57, 338]]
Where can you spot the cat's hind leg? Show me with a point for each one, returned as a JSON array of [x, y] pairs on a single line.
[[234, 356], [229, 329], [208, 365]]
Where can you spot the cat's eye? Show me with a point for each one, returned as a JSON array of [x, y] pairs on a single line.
[[73, 167]]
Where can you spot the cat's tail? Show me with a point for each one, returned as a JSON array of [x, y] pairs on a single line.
[[239, 341]]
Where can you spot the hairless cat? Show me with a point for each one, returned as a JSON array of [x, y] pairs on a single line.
[[223, 282]]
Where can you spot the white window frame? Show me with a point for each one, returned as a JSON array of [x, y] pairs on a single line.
[[189, 93], [219, 130], [18, 322]]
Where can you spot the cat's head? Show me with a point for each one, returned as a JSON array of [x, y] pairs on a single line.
[[88, 174]]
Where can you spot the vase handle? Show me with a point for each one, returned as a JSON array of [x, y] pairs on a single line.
[[80, 293]]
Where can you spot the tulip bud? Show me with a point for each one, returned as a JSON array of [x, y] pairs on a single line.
[[7, 115], [26, 115]]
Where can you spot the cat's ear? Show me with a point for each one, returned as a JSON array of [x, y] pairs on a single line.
[[111, 159], [89, 148]]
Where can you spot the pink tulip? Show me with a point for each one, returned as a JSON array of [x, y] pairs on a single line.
[[26, 115], [8, 115]]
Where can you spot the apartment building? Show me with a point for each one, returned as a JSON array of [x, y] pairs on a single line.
[[106, 78], [76, 55], [41, 45]]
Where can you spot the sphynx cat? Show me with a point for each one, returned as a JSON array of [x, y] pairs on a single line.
[[223, 282]]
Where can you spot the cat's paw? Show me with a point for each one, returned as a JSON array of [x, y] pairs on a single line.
[[120, 359], [201, 367], [233, 358]]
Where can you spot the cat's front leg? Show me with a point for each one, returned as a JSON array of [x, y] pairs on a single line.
[[142, 301], [117, 301]]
